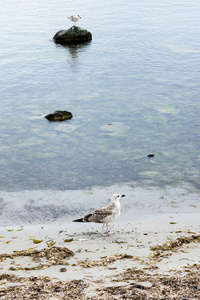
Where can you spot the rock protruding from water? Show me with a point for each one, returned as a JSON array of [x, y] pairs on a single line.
[[59, 115], [73, 35]]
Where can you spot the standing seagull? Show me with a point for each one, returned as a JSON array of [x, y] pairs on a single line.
[[106, 214], [74, 18]]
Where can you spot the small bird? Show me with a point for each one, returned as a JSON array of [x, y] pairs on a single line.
[[105, 215], [74, 18]]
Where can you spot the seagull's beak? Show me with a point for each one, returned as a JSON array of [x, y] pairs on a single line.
[[122, 196]]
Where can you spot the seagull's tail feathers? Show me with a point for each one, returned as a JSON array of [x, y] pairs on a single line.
[[78, 220], [84, 219]]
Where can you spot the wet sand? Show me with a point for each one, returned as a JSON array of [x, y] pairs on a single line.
[[154, 256], [43, 206]]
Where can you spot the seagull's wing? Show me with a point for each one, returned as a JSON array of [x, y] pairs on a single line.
[[104, 210], [99, 214]]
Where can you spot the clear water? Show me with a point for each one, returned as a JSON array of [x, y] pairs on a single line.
[[133, 90]]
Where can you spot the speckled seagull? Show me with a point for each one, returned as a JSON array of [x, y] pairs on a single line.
[[105, 215], [74, 18]]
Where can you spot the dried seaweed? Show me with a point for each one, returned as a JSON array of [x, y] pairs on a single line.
[[106, 260], [51, 253], [177, 243], [43, 288], [142, 285]]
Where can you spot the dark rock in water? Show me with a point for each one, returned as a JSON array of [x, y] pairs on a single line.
[[59, 115], [73, 35], [150, 155]]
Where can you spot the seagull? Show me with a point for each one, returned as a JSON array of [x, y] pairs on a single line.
[[74, 18], [104, 215]]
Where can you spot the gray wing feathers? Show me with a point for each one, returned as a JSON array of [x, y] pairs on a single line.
[[99, 214]]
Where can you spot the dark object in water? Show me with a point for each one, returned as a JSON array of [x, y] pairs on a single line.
[[150, 155], [59, 115], [74, 35]]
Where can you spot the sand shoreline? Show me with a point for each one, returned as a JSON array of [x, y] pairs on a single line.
[[43, 206], [99, 262]]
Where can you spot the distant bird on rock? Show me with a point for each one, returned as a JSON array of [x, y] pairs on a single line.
[[74, 18], [105, 215]]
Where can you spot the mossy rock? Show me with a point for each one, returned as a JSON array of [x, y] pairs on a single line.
[[73, 35], [59, 115]]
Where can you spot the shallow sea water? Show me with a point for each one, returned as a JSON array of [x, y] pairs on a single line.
[[133, 90]]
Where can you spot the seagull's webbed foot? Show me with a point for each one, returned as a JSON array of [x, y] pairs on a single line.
[[110, 232], [106, 233]]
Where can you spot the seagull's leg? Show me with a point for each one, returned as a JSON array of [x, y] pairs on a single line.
[[109, 232], [102, 231], [106, 233]]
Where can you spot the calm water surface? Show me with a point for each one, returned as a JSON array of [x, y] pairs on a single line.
[[133, 90]]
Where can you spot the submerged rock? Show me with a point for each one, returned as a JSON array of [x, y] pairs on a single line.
[[73, 35], [150, 155], [59, 115]]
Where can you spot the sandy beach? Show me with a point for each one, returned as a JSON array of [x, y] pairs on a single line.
[[132, 97], [154, 256]]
